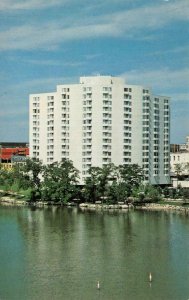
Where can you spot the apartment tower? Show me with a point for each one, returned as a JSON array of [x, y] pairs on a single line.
[[102, 120]]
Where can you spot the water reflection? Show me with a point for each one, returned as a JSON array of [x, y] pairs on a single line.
[[62, 253]]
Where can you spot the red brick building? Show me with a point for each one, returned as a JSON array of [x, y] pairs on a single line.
[[10, 150]]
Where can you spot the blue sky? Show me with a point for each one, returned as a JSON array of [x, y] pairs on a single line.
[[48, 42]]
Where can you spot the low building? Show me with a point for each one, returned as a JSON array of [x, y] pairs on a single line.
[[179, 161], [11, 153]]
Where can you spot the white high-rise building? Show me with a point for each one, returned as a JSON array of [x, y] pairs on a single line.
[[102, 120]]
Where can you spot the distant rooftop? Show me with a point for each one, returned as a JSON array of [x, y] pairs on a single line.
[[13, 144], [180, 147]]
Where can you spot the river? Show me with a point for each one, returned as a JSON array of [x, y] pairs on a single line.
[[61, 253]]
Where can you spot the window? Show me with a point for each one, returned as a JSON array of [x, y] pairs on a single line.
[[51, 122], [106, 140], [107, 134], [126, 153], [50, 98], [127, 116], [106, 127], [145, 123], [50, 134], [64, 90], [50, 141], [127, 147], [126, 159], [166, 119], [127, 134], [127, 96], [145, 159], [145, 91], [128, 103], [127, 122], [106, 153], [107, 89], [106, 115], [128, 128], [146, 98], [127, 141], [127, 109], [128, 90], [36, 98], [145, 147]]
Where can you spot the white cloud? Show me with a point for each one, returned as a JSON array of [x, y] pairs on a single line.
[[42, 85], [172, 50], [28, 4], [11, 5], [160, 79], [184, 97], [13, 113], [92, 56], [51, 62], [127, 23]]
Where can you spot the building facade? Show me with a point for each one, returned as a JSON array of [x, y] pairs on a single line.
[[102, 120], [180, 157], [11, 153]]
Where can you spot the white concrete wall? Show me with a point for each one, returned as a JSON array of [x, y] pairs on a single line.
[[117, 122], [181, 158], [180, 183], [137, 133]]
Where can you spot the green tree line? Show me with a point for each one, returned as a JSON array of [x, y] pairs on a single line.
[[59, 182]]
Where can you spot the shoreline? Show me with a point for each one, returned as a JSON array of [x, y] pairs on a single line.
[[165, 207], [147, 207], [8, 201]]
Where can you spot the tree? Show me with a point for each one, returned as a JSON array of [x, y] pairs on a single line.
[[5, 178], [18, 178], [60, 182], [91, 191], [97, 183], [104, 179], [32, 172], [153, 193], [178, 170], [131, 175], [187, 168], [117, 192], [113, 183], [125, 179]]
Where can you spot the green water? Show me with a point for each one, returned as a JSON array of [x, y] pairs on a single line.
[[57, 253]]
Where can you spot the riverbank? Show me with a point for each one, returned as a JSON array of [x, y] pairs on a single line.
[[14, 200], [147, 206], [167, 207]]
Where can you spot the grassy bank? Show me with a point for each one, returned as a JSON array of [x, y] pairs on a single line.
[[13, 193]]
